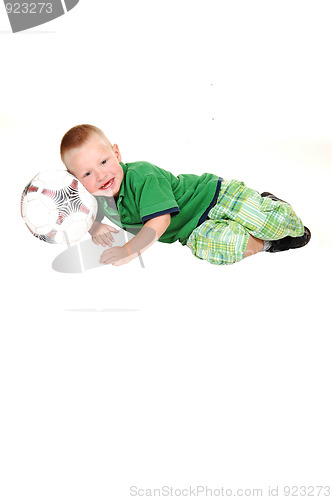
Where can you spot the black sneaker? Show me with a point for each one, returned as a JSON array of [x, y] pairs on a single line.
[[272, 196], [290, 242]]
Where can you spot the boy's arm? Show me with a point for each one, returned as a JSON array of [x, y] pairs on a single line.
[[150, 232]]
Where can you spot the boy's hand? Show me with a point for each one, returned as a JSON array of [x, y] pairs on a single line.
[[149, 233], [101, 234], [117, 256]]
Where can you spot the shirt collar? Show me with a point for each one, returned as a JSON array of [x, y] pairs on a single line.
[[122, 188]]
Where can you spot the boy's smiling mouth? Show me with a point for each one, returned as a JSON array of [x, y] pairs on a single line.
[[108, 184]]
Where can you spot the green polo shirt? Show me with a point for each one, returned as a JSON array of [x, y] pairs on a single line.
[[148, 191]]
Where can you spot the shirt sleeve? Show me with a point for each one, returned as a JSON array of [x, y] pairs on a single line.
[[154, 197]]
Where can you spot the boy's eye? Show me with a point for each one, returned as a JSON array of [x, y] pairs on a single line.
[[87, 174], [104, 162]]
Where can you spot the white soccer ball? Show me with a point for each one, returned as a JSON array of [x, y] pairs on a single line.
[[57, 208]]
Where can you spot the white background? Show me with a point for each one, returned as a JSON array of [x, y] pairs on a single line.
[[180, 373]]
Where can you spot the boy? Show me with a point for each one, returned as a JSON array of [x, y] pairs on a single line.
[[220, 221]]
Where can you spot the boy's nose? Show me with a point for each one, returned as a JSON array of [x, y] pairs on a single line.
[[101, 175]]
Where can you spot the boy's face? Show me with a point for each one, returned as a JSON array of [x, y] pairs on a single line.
[[97, 165]]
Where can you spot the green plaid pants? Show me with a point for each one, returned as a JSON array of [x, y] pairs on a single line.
[[240, 211]]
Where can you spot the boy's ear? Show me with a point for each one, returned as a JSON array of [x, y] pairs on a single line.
[[116, 151]]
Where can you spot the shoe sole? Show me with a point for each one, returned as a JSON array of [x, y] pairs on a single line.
[[291, 243], [272, 196]]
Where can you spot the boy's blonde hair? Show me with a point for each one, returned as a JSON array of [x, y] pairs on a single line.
[[77, 136]]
